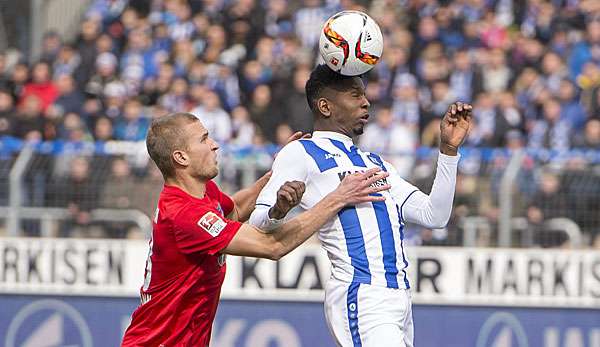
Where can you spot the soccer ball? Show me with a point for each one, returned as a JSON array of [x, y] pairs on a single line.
[[351, 43]]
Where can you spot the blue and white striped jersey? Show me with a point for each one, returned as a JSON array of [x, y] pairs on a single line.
[[364, 242]]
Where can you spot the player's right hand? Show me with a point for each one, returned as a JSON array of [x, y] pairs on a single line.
[[362, 187], [288, 196]]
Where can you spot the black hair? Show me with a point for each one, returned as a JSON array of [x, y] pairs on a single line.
[[320, 78]]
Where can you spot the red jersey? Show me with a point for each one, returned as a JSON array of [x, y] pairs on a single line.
[[184, 270]]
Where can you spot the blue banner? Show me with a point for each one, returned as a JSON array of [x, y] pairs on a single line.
[[35, 321]]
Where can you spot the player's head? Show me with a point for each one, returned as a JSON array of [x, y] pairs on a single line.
[[338, 102], [179, 143]]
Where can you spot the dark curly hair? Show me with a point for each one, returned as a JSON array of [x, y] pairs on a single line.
[[320, 78]]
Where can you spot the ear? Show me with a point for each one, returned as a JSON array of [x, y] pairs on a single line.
[[324, 107], [181, 158]]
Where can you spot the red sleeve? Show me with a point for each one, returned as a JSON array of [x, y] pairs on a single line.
[[199, 229], [226, 202]]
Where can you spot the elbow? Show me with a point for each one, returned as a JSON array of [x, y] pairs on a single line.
[[439, 225], [440, 222], [277, 251]]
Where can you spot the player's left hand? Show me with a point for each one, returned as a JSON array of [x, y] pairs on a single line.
[[455, 127]]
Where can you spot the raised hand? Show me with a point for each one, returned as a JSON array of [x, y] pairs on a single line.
[[357, 188], [288, 196], [455, 127]]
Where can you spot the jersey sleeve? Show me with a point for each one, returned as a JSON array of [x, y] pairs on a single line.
[[200, 229], [401, 189], [288, 166], [224, 200]]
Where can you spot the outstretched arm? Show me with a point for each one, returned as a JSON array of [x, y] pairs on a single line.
[[354, 189], [433, 210]]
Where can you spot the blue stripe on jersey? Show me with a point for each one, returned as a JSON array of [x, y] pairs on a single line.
[[402, 243], [352, 301], [355, 244], [386, 235], [322, 158], [356, 159], [376, 159], [261, 204]]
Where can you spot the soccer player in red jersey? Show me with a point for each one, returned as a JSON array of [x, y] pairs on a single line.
[[196, 225]]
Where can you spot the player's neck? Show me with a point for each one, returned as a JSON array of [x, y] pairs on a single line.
[[324, 126], [188, 184]]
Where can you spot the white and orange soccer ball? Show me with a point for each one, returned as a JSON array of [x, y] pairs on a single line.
[[351, 43]]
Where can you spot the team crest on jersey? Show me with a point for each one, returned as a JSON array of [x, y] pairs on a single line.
[[212, 224]]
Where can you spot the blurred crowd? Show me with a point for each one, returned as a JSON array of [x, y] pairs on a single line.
[[530, 68]]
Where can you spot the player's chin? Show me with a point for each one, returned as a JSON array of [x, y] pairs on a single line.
[[358, 130], [213, 172]]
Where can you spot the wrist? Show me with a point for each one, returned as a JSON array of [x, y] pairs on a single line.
[[448, 149], [275, 213], [335, 201]]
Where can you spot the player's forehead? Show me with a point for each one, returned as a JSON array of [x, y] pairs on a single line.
[[350, 85], [196, 129]]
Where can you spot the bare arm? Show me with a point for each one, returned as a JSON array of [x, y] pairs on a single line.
[[245, 199], [434, 210], [354, 189]]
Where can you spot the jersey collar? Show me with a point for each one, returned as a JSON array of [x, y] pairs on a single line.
[[332, 135]]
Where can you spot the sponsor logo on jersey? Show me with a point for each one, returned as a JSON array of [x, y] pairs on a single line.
[[212, 224], [332, 155], [378, 183]]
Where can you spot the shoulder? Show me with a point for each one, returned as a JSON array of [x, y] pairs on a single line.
[[293, 148]]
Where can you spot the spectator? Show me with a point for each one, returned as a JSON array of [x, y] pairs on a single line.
[[177, 97], [86, 46], [395, 140], [551, 131], [582, 192], [572, 110], [103, 130], [105, 73], [119, 193], [263, 112], [242, 127], [465, 81], [78, 193], [548, 202], [29, 123], [311, 15], [585, 51], [51, 45], [41, 85], [591, 136], [294, 104], [7, 114], [134, 124], [70, 99], [214, 118], [66, 62]]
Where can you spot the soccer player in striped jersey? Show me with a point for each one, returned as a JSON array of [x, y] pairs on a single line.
[[367, 299]]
